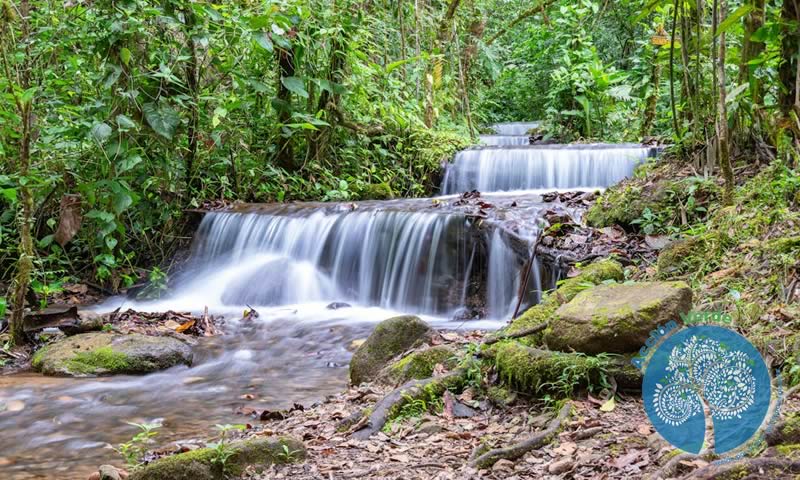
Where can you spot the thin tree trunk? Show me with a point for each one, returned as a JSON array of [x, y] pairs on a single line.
[[191, 72], [672, 73], [790, 50], [402, 20], [417, 48], [722, 114], [652, 99], [750, 50], [286, 68], [25, 110]]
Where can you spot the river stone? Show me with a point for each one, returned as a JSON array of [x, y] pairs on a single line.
[[616, 318], [101, 353], [390, 338], [418, 365], [203, 464]]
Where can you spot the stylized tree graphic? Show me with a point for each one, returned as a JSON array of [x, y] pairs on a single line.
[[705, 376]]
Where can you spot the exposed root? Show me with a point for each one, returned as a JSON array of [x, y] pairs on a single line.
[[588, 433], [670, 469], [517, 450], [390, 405], [754, 468], [521, 333]]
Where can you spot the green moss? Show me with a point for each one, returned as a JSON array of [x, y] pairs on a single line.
[[200, 465], [99, 360], [420, 364], [376, 191], [390, 338], [590, 275]]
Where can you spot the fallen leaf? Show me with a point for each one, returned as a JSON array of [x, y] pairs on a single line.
[[656, 242], [185, 326], [566, 448], [609, 405]]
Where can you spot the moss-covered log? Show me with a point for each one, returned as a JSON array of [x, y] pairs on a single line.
[[539, 371]]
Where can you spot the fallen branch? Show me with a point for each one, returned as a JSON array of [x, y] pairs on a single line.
[[772, 467], [517, 450], [521, 333], [391, 404]]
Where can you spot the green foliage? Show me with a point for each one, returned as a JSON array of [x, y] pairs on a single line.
[[133, 450], [221, 450]]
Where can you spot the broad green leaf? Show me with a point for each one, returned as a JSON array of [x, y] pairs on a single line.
[[100, 215], [733, 18], [122, 200], [162, 118], [125, 123], [101, 132], [111, 242], [3, 306], [263, 41], [10, 194], [125, 55], [128, 163], [295, 85]]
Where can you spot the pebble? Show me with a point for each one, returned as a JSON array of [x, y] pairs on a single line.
[[561, 466]]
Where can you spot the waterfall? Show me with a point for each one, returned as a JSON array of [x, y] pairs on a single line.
[[514, 128], [504, 139], [403, 260], [500, 169]]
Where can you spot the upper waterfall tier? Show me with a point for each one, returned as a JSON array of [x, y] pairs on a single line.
[[514, 128], [505, 168], [504, 139]]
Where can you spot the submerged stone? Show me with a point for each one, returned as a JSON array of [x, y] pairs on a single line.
[[616, 318], [100, 353], [390, 338], [205, 463]]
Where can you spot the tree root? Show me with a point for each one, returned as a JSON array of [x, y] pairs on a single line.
[[517, 450], [751, 468], [521, 333], [670, 469], [390, 405]]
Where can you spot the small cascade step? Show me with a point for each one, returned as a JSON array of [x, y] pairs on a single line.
[[511, 168], [514, 128], [504, 139]]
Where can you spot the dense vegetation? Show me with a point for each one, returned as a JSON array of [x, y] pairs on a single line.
[[116, 116]]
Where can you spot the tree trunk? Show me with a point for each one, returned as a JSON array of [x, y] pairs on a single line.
[[442, 37], [286, 68], [191, 72], [790, 50], [652, 99], [25, 110], [750, 50], [723, 151]]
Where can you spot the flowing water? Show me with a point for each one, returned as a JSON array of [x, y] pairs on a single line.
[[451, 263]]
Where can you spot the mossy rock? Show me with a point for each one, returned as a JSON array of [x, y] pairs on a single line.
[[539, 371], [592, 274], [200, 465], [419, 365], [616, 318], [376, 191], [100, 353], [681, 257], [390, 338]]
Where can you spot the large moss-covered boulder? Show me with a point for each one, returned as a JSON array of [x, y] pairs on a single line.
[[101, 353], [418, 364], [589, 275], [616, 318], [390, 338], [204, 464]]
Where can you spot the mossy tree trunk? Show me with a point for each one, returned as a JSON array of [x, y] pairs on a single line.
[[723, 149], [19, 85]]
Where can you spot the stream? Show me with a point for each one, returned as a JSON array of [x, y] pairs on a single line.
[[453, 267]]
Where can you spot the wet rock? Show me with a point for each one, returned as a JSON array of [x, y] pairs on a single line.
[[92, 354], [200, 464], [418, 365], [337, 305], [390, 338], [110, 472], [462, 411], [430, 427], [616, 318]]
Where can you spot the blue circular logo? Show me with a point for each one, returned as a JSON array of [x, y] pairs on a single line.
[[706, 385]]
